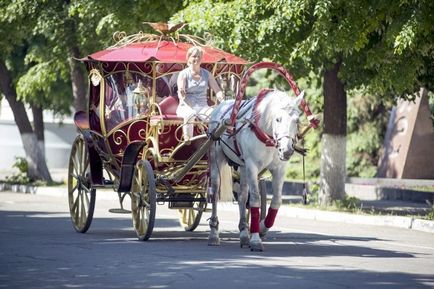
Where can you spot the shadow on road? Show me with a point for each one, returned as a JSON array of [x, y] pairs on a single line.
[[42, 250]]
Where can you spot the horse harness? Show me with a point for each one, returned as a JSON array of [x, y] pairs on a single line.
[[253, 123]]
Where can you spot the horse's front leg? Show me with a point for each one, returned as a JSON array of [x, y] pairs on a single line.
[[255, 204], [242, 201], [276, 201]]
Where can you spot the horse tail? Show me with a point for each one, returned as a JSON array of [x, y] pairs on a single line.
[[226, 191]]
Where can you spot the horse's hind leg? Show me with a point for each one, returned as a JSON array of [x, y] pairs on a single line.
[[214, 238], [242, 201], [255, 203]]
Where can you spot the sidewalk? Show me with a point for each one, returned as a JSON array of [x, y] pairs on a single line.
[[401, 214]]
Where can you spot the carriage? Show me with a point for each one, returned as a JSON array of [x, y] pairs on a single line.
[[131, 141], [131, 138]]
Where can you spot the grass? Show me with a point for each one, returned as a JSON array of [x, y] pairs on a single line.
[[430, 215], [351, 204], [347, 206]]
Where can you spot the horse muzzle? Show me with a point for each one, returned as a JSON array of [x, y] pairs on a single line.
[[285, 149], [285, 156]]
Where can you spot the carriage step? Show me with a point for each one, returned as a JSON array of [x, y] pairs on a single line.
[[119, 211], [180, 205], [108, 182]]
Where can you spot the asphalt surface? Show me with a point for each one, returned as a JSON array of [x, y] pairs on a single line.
[[39, 249]]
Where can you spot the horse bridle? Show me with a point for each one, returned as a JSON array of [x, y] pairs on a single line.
[[295, 138]]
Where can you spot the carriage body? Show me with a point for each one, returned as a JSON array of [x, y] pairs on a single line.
[[132, 119]]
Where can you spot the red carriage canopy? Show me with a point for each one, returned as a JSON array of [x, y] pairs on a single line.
[[164, 51]]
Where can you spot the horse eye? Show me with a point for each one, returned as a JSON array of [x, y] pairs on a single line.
[[278, 119]]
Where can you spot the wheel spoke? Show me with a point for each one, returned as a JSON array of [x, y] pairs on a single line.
[[143, 222], [74, 176], [83, 214], [86, 189], [85, 165], [86, 198], [76, 211], [82, 157], [74, 188], [75, 166], [79, 155], [75, 204]]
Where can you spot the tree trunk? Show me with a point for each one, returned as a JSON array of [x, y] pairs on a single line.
[[78, 80], [38, 126], [333, 169], [37, 166]]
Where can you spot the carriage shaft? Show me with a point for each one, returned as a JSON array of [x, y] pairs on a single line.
[[197, 156]]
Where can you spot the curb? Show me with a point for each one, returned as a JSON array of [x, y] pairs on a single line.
[[388, 221], [293, 212]]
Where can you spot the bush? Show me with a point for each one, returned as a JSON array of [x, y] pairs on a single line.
[[21, 164], [22, 176]]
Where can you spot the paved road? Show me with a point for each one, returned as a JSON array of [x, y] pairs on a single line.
[[39, 249]]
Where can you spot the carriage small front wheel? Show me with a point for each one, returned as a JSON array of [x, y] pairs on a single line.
[[81, 195], [143, 200]]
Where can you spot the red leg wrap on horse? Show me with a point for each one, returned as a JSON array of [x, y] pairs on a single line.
[[269, 219], [254, 220]]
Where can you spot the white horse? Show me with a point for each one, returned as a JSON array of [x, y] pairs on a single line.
[[263, 138]]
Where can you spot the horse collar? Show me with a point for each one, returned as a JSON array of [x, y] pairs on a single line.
[[268, 140]]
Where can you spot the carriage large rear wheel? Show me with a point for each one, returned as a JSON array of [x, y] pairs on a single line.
[[81, 195], [143, 200], [189, 218]]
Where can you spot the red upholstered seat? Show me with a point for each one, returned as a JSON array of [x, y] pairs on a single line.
[[170, 131], [168, 107]]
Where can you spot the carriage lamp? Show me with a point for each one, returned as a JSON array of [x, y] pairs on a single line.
[[141, 97], [95, 77], [129, 80]]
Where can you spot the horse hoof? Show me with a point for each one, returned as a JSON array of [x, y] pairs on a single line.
[[244, 239], [244, 243], [256, 247], [263, 230], [214, 242]]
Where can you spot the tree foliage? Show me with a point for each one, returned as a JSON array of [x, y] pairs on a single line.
[[386, 47], [380, 48], [36, 37], [40, 41]]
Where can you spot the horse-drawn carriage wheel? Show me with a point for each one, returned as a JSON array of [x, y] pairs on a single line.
[[189, 218], [81, 195], [143, 200]]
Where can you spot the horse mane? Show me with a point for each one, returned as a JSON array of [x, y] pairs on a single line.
[[275, 99]]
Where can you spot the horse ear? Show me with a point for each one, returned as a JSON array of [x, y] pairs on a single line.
[[299, 98]]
